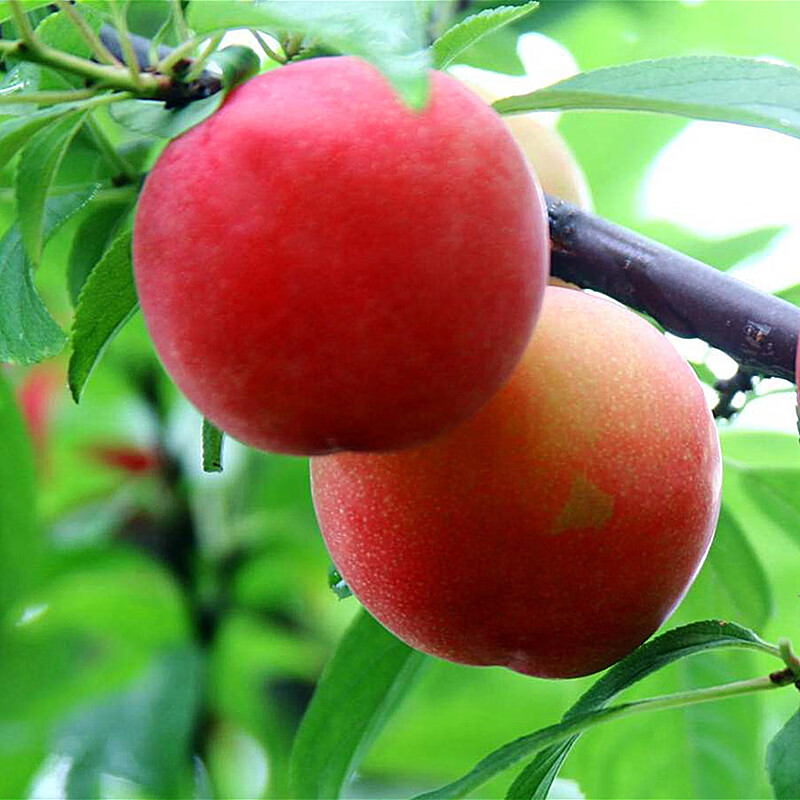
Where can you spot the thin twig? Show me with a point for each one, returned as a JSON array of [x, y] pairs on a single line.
[[180, 54], [202, 59], [121, 24], [26, 31], [181, 28], [46, 98], [89, 36], [106, 76]]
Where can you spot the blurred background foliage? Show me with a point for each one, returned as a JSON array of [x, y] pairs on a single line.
[[163, 628]]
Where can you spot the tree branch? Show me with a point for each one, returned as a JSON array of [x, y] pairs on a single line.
[[688, 298]]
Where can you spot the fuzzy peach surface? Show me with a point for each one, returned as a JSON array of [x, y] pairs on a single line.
[[321, 267], [554, 531]]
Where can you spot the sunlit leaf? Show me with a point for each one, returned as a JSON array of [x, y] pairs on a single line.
[[389, 35], [537, 777], [27, 5], [464, 34], [747, 91]]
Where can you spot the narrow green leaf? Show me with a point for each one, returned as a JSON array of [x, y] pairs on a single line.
[[497, 53], [783, 763], [91, 240], [27, 331], [143, 734], [735, 565], [20, 544], [747, 91], [389, 35], [213, 438], [108, 300], [36, 171], [464, 34], [535, 780], [360, 687]]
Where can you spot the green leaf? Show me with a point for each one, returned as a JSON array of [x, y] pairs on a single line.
[[791, 295], [360, 687], [152, 118], [37, 168], [143, 734], [20, 542], [237, 62], [90, 242], [497, 53], [783, 764], [27, 5], [27, 331], [767, 468], [252, 664], [17, 132], [108, 300], [734, 563], [537, 777], [73, 641], [720, 253], [389, 35], [464, 34], [213, 438], [747, 91]]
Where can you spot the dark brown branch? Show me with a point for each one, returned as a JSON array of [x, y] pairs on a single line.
[[685, 296]]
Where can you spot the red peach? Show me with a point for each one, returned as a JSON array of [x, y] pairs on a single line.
[[321, 267], [554, 531]]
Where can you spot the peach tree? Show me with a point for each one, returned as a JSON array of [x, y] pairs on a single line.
[[170, 628]]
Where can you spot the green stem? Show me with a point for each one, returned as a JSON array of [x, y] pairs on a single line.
[[554, 734], [200, 61], [181, 28], [131, 60], [88, 35], [110, 153], [111, 77], [181, 52], [111, 194], [47, 98], [23, 23]]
